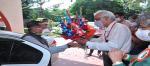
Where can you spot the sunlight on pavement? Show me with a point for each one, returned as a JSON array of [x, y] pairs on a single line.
[[76, 56]]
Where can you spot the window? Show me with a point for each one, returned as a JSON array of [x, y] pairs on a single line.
[[5, 47], [16, 52], [24, 54]]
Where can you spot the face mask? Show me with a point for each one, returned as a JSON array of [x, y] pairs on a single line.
[[99, 24], [143, 34]]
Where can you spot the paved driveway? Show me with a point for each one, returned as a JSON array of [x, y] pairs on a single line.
[[76, 57]]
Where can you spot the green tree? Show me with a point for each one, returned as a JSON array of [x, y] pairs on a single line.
[[26, 4], [129, 7], [55, 13], [91, 6], [28, 12]]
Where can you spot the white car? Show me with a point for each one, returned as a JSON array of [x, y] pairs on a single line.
[[15, 51]]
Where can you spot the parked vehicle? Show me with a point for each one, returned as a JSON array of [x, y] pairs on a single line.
[[15, 51]]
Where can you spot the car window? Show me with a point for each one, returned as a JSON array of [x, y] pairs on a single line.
[[24, 54], [5, 47], [16, 52]]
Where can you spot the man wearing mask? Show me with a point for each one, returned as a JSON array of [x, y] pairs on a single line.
[[44, 24], [46, 32], [116, 36], [139, 41], [143, 59], [34, 36]]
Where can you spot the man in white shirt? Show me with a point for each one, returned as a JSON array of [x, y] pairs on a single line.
[[116, 35]]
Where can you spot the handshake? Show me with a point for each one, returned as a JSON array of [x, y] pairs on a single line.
[[77, 43]]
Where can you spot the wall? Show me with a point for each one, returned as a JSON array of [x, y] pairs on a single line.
[[12, 10]]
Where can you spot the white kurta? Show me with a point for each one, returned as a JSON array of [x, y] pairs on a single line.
[[119, 37]]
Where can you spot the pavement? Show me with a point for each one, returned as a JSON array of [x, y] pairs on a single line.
[[76, 56]]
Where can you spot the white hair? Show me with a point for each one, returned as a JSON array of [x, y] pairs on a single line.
[[105, 13], [144, 17], [147, 22]]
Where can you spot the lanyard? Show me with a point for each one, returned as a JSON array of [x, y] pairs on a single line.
[[108, 33]]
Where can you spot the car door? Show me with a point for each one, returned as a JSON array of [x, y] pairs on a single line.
[[22, 53]]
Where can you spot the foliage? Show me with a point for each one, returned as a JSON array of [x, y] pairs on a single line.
[[91, 6], [129, 7], [84, 7], [33, 13], [26, 8], [53, 14]]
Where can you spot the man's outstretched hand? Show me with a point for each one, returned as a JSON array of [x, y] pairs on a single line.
[[73, 44], [81, 41]]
